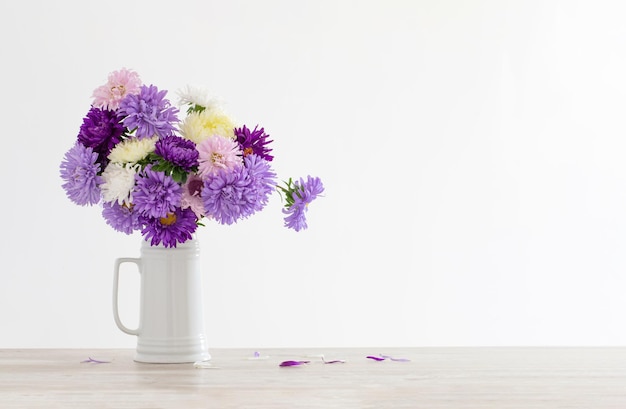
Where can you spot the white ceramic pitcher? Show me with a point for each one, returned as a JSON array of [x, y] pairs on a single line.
[[171, 312]]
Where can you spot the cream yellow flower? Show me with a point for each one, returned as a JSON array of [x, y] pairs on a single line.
[[199, 126], [132, 150]]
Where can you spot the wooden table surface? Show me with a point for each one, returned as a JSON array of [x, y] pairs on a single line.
[[455, 378]]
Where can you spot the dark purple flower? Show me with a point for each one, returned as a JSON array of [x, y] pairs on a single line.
[[178, 151], [149, 112], [301, 195], [254, 142], [122, 218], [156, 194], [101, 130], [79, 171], [176, 227]]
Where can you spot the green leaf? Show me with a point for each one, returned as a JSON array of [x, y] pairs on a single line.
[[195, 108]]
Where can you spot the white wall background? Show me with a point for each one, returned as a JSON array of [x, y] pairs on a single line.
[[472, 153]]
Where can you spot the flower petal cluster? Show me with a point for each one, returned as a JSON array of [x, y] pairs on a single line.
[[80, 173], [118, 182], [121, 217], [217, 153], [231, 195], [201, 124], [162, 177], [156, 194], [299, 196], [133, 150], [149, 113], [101, 130], [120, 84], [179, 152], [254, 142], [176, 227]]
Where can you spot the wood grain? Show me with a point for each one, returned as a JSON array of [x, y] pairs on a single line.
[[434, 378]]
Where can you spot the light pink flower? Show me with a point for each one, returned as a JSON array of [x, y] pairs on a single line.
[[191, 196], [119, 84], [218, 152]]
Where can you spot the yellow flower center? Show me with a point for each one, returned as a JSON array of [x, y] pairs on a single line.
[[216, 157], [168, 220], [247, 151]]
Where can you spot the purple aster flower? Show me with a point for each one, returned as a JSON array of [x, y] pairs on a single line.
[[228, 196], [262, 180], [149, 112], [178, 151], [122, 218], [101, 130], [156, 194], [254, 142], [300, 195], [176, 227], [79, 171], [296, 217]]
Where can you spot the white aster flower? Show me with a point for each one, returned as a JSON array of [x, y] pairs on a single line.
[[119, 181], [193, 95], [132, 150]]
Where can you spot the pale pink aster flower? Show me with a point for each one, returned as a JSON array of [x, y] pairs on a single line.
[[119, 84], [119, 181], [218, 152], [192, 190]]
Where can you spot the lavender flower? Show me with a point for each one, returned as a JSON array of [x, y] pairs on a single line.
[[262, 180], [230, 195], [227, 195], [101, 130], [178, 151], [79, 170], [122, 218], [298, 197], [149, 112], [253, 142], [155, 194], [176, 227]]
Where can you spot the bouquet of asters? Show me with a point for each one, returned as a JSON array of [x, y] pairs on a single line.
[[162, 176]]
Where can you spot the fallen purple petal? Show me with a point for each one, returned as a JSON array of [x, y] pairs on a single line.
[[293, 363], [375, 358], [257, 356], [95, 361], [335, 361], [395, 359]]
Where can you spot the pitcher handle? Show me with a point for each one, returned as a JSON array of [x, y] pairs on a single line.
[[116, 276]]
